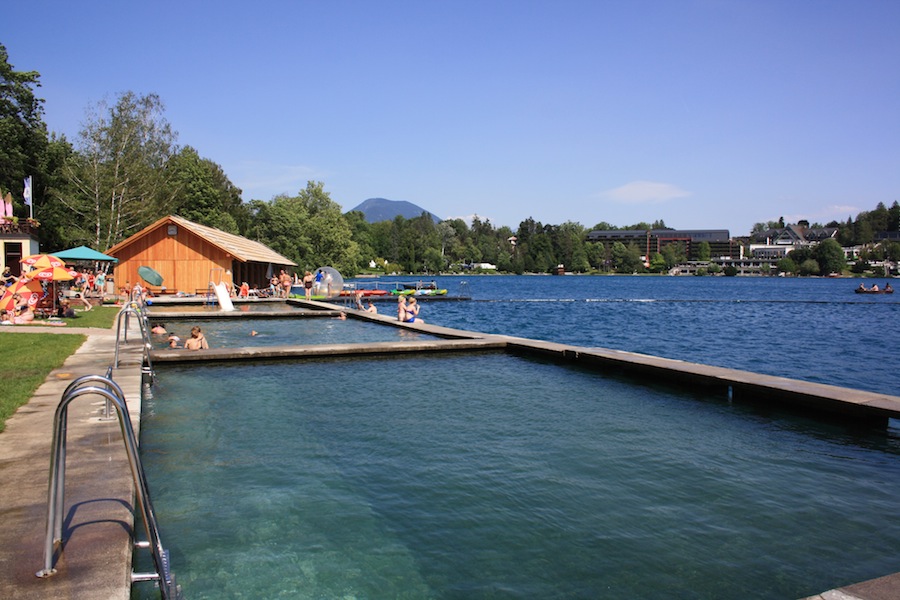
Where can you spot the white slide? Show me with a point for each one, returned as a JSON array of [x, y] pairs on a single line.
[[222, 296]]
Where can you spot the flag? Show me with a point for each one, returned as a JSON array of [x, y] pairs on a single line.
[[7, 205], [27, 192]]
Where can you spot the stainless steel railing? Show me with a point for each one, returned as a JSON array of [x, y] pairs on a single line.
[[112, 392], [138, 310]]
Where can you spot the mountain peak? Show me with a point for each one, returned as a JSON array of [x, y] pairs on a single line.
[[382, 209]]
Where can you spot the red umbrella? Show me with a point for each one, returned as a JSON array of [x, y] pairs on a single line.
[[29, 289]]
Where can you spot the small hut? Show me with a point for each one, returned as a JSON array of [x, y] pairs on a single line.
[[189, 256]]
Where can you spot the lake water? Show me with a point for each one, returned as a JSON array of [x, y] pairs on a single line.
[[812, 329], [494, 476]]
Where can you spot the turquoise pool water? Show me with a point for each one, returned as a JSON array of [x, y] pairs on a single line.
[[233, 333], [493, 476], [251, 306]]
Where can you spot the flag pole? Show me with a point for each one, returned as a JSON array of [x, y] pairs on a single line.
[[28, 193]]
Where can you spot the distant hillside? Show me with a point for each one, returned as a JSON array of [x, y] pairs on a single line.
[[381, 209]]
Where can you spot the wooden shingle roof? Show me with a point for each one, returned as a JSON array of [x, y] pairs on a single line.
[[239, 247]]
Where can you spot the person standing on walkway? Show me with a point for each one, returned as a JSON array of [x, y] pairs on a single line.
[[307, 284]]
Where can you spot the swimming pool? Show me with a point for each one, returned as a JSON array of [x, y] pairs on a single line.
[[234, 333], [489, 475]]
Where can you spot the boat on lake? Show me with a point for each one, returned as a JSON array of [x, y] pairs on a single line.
[[874, 290]]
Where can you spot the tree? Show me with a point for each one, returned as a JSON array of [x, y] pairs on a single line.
[[787, 265], [280, 225], [626, 259], [203, 193], [119, 180], [703, 251], [809, 267], [327, 239], [23, 134], [894, 217], [674, 253], [361, 232], [658, 263], [830, 257]]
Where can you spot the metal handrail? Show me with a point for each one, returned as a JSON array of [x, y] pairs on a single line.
[[136, 308], [112, 392]]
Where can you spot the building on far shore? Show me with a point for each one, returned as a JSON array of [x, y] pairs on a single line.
[[651, 241], [777, 243], [189, 256]]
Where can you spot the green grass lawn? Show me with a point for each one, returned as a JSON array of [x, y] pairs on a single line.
[[103, 317], [27, 358]]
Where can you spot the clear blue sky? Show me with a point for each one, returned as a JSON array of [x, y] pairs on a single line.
[[703, 113]]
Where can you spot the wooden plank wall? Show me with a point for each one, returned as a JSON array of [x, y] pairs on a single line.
[[184, 260]]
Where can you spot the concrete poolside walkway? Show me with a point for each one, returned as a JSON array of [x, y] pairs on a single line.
[[96, 559]]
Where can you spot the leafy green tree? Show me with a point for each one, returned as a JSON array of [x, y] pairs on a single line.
[[327, 239], [894, 217], [893, 251], [626, 259], [596, 255], [118, 178], [23, 134], [830, 257], [658, 263], [674, 254], [569, 246], [809, 267], [361, 232], [434, 261], [787, 265], [55, 229], [447, 235], [384, 240], [703, 251], [280, 224], [203, 193]]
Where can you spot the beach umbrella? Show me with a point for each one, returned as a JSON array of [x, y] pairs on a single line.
[[52, 274], [84, 254], [29, 289], [149, 275], [40, 261]]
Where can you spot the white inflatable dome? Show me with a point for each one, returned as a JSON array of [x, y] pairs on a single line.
[[330, 284]]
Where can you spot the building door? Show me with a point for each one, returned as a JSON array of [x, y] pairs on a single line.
[[12, 254]]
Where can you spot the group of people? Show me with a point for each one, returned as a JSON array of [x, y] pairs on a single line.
[[875, 288], [90, 283], [21, 314], [408, 310], [197, 341]]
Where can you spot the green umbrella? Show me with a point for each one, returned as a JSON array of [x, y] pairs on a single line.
[[150, 275]]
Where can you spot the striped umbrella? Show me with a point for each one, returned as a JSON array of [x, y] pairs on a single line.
[[40, 261], [29, 289], [52, 274]]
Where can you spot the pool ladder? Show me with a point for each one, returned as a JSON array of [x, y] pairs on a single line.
[[112, 392], [138, 310]]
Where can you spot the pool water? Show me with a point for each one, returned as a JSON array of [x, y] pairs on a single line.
[[250, 306], [234, 333], [494, 476]]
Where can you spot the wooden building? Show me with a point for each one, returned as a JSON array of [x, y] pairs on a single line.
[[189, 256]]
